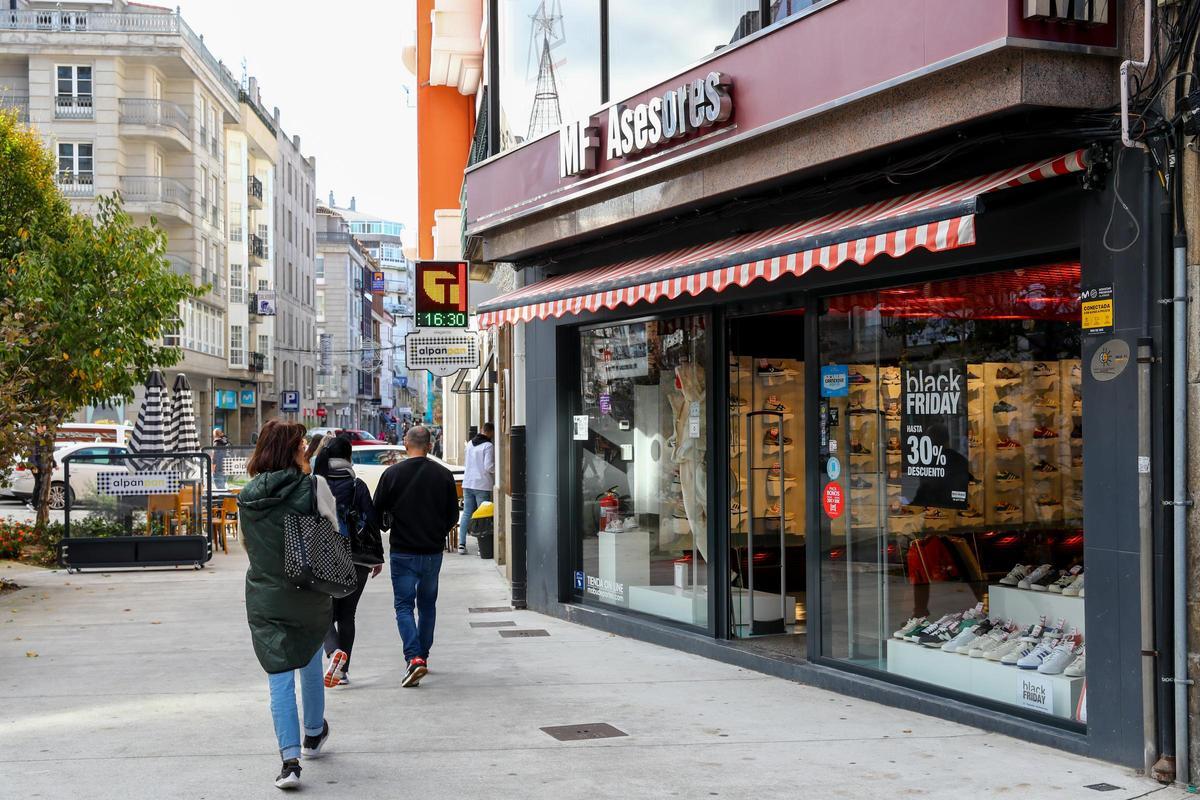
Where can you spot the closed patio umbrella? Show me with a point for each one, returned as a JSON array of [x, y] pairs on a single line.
[[182, 436], [148, 432]]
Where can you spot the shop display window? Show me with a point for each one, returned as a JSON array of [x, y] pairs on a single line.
[[641, 470], [951, 485], [767, 509]]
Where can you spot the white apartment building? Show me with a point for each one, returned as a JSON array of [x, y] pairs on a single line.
[[130, 100], [295, 269]]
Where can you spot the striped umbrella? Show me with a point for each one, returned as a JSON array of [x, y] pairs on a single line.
[[182, 436], [148, 431]]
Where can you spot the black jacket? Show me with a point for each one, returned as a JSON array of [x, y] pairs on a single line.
[[421, 498], [354, 504]]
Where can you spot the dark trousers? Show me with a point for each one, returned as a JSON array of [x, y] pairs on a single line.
[[341, 630]]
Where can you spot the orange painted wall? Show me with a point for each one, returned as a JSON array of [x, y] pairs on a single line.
[[445, 126]]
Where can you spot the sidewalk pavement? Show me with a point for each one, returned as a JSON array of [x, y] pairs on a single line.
[[143, 685]]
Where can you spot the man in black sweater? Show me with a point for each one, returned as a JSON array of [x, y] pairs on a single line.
[[418, 501]]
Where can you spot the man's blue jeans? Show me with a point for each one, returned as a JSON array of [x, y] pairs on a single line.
[[283, 705], [415, 585], [471, 500]]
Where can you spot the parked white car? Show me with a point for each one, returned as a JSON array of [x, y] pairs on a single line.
[[370, 461], [83, 473]]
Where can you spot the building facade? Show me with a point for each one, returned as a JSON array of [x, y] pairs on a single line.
[[295, 268], [130, 100], [816, 396]]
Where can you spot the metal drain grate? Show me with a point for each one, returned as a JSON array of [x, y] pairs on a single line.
[[1102, 787], [523, 632], [508, 623], [591, 730], [488, 609]]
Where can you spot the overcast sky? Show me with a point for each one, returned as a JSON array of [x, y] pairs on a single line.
[[334, 70]]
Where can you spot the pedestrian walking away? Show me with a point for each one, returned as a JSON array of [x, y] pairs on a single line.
[[287, 624], [220, 445], [478, 479], [356, 517], [418, 502]]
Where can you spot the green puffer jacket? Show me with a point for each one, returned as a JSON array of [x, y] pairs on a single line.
[[287, 624]]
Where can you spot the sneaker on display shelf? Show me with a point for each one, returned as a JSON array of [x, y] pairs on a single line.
[[859, 482], [929, 627], [969, 633], [857, 448], [1060, 658], [1066, 581], [1003, 407], [1040, 370], [969, 513], [1042, 432], [890, 378], [1020, 649], [1006, 476], [908, 627], [1042, 583], [1007, 374], [1035, 657], [769, 370], [857, 377], [1078, 667], [776, 472], [893, 444], [998, 652], [1031, 633], [1007, 443], [1045, 467], [1036, 575], [737, 402], [1015, 575], [1075, 589], [773, 403], [938, 637], [997, 636]]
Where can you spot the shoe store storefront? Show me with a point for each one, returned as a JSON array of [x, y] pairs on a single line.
[[885, 450]]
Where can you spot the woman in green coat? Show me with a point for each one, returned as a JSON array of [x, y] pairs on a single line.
[[287, 624]]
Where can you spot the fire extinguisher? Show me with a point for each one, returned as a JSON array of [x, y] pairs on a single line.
[[610, 507]]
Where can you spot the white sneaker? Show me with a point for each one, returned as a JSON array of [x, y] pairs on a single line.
[[986, 644], [1040, 572], [1034, 658], [1078, 667], [1057, 661], [1069, 577], [1076, 587], [1014, 575], [965, 637], [909, 627], [998, 652], [1018, 652], [1033, 633]]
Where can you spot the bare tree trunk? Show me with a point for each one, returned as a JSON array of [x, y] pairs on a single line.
[[42, 501]]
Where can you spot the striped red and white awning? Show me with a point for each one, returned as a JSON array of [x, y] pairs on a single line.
[[934, 220]]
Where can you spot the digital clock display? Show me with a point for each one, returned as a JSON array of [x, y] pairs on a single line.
[[441, 319]]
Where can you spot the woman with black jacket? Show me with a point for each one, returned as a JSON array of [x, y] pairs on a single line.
[[355, 514]]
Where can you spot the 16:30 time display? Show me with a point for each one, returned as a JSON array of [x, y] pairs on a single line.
[[441, 319]]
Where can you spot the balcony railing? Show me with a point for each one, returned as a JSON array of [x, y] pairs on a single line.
[[259, 248], [333, 236], [70, 106], [154, 113], [258, 362], [76, 184], [254, 191], [59, 21], [19, 103], [155, 189]]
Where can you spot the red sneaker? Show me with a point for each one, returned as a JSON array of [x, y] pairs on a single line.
[[416, 671], [336, 668]]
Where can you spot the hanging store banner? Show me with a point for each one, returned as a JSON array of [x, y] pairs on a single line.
[[933, 434], [443, 353], [378, 280], [246, 398]]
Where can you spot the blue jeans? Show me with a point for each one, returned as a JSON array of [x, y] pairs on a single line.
[[283, 705], [415, 584], [471, 500]]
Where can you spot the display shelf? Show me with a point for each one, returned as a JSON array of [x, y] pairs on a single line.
[[983, 678], [1024, 606], [625, 557], [680, 605]]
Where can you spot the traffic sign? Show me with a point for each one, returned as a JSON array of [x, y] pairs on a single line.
[[441, 352]]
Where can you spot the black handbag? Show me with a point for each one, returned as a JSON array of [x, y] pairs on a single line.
[[316, 556]]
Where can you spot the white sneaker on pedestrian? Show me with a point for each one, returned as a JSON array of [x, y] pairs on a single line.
[[289, 777], [462, 549]]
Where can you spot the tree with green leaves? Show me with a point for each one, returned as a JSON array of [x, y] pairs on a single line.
[[86, 301]]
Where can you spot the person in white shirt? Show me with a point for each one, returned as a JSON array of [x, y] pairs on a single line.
[[478, 479]]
